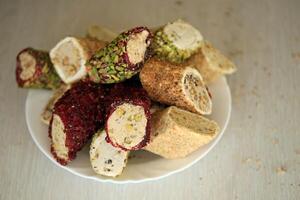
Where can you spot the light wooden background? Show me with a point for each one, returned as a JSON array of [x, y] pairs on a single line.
[[259, 155]]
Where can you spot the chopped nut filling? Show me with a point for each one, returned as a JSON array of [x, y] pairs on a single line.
[[106, 159], [136, 47], [127, 125], [28, 65], [59, 138], [196, 91], [68, 57]]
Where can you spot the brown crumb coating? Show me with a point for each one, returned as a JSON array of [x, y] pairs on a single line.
[[163, 82]]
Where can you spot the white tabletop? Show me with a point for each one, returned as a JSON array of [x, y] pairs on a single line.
[[259, 155]]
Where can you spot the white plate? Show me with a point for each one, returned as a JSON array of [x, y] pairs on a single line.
[[144, 166]]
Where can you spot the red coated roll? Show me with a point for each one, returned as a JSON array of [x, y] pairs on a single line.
[[128, 117], [35, 70], [77, 115]]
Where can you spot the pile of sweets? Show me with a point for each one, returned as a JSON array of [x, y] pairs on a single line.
[[139, 89]]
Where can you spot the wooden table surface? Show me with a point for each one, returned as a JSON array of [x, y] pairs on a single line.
[[259, 155]]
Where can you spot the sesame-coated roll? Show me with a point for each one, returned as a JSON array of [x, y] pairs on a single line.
[[122, 58], [176, 85], [35, 70], [176, 133], [77, 115], [176, 41], [70, 55], [127, 117]]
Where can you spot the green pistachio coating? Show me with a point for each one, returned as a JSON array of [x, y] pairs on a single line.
[[164, 49], [111, 63]]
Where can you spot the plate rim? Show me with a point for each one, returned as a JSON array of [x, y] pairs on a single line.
[[214, 143]]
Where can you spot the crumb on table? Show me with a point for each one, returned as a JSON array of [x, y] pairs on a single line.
[[281, 170]]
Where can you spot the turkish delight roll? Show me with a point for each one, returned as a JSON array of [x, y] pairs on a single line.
[[176, 41], [77, 115], [211, 63], [70, 55], [122, 58], [127, 117], [35, 70], [176, 133], [106, 159], [176, 85]]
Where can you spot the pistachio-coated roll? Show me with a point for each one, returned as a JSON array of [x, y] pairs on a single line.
[[122, 58], [35, 70], [176, 41]]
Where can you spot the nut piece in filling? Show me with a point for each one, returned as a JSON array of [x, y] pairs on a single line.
[[70, 55], [127, 125], [211, 63], [106, 159], [35, 70], [176, 85], [176, 133], [176, 41], [122, 58]]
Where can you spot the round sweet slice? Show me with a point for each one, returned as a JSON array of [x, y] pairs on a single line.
[[196, 91], [106, 159], [70, 55], [177, 41], [128, 116], [127, 125], [176, 85]]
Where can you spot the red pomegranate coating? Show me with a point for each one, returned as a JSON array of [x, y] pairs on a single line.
[[127, 93], [81, 111]]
